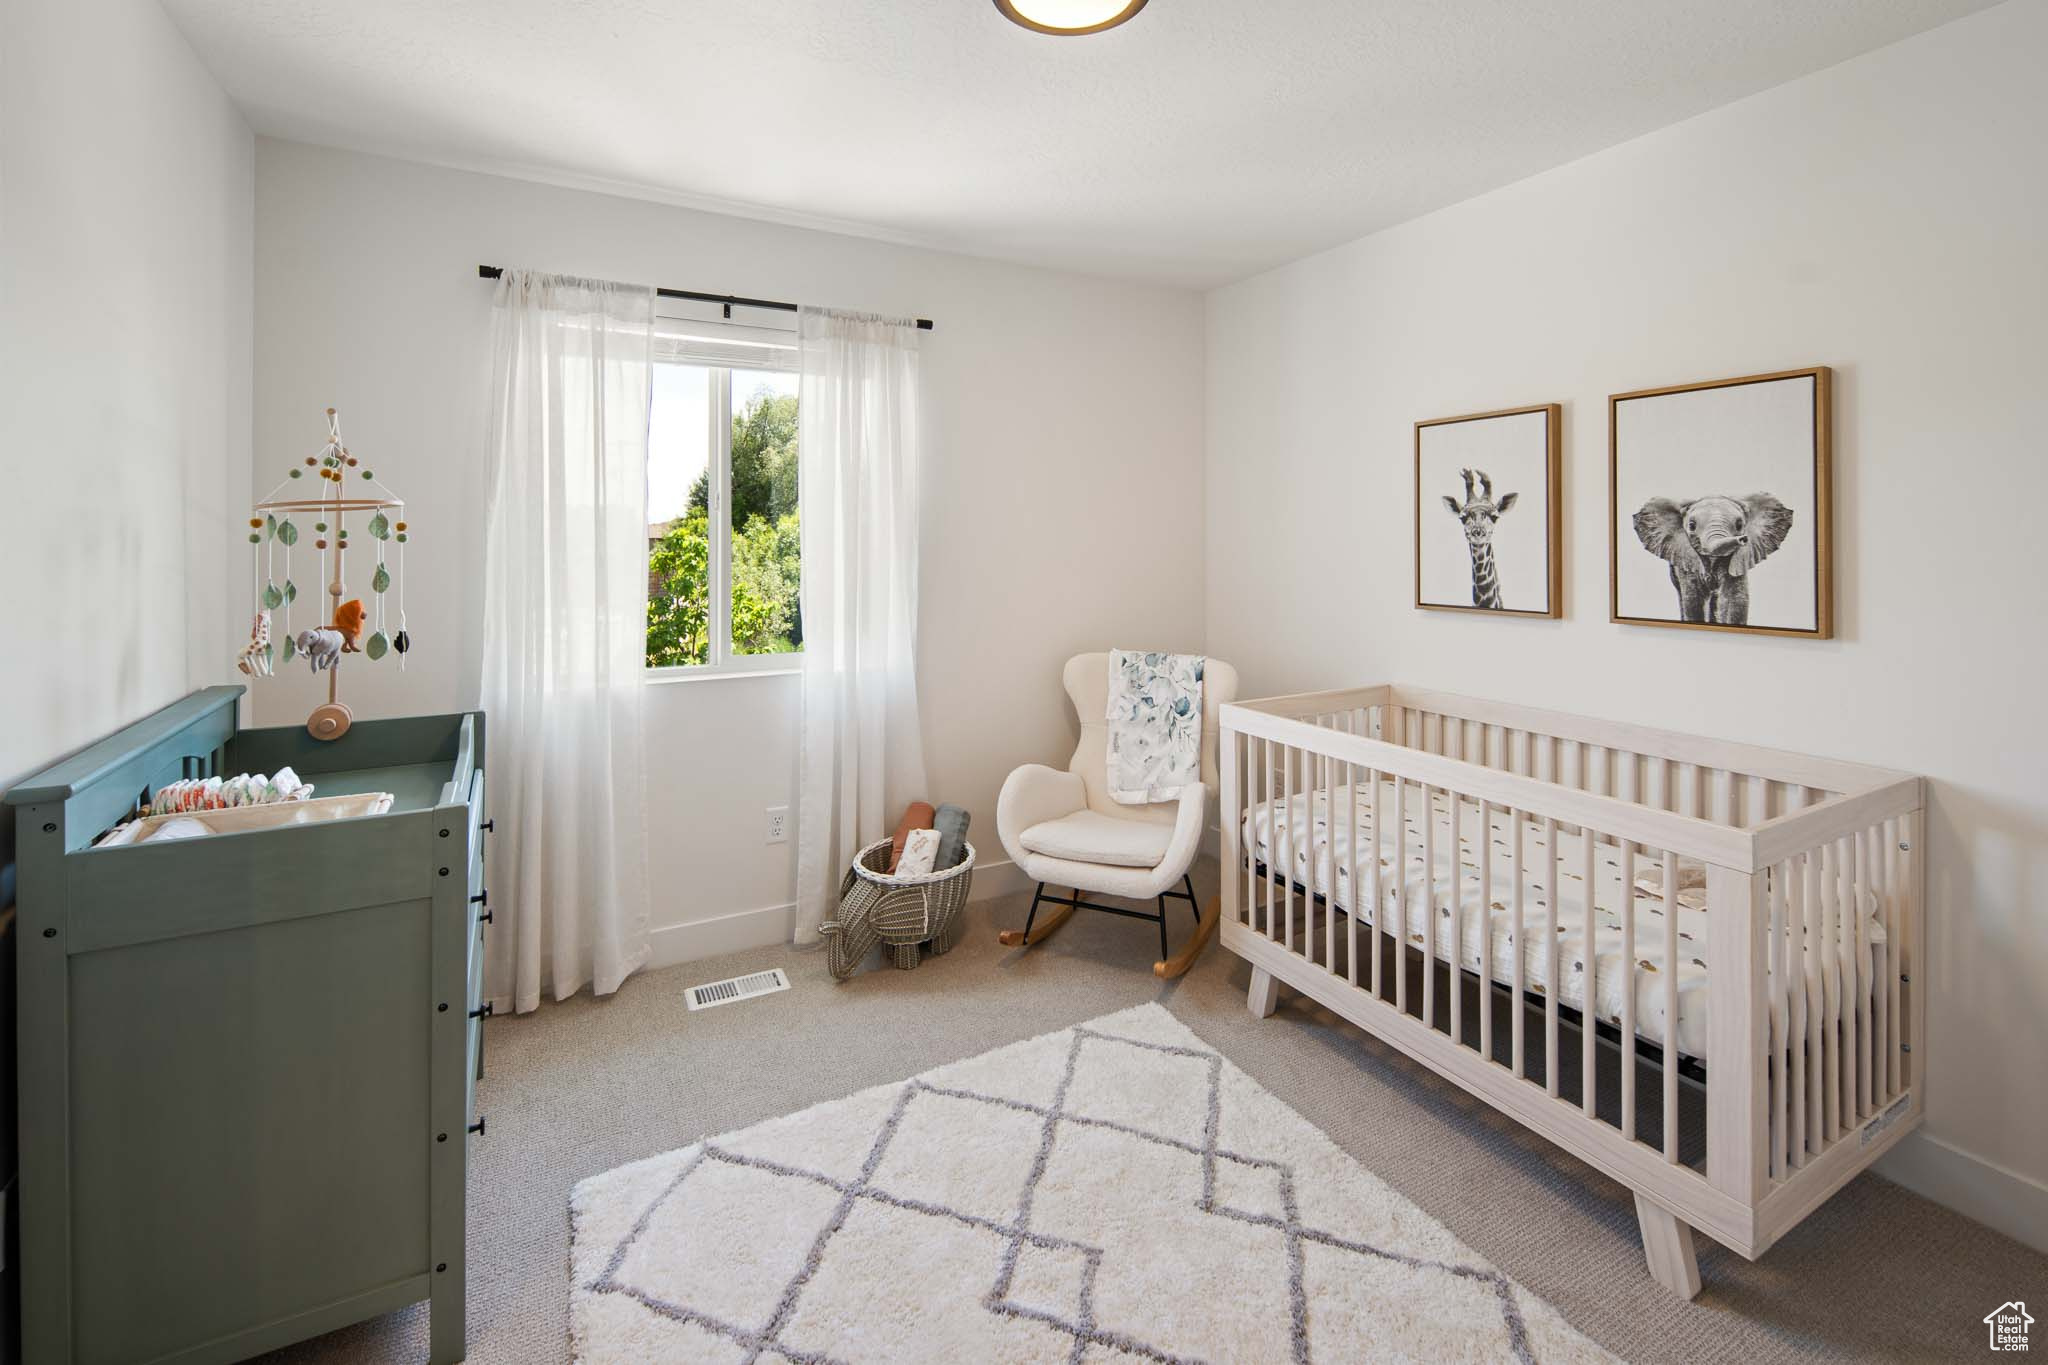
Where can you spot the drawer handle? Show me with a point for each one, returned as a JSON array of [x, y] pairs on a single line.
[[482, 1011], [483, 898], [489, 826], [478, 1126]]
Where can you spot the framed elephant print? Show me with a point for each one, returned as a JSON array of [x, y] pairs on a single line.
[[1486, 513], [1718, 505]]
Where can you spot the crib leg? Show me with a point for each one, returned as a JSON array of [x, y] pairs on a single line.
[[1265, 994], [1667, 1245]]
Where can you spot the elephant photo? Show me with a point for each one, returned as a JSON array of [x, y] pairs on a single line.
[[1711, 544]]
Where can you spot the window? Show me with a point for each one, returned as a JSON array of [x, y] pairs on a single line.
[[724, 545]]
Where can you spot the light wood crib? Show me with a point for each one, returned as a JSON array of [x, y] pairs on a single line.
[[1733, 1094]]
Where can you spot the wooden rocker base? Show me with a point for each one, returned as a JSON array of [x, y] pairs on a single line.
[[1040, 930], [1179, 963]]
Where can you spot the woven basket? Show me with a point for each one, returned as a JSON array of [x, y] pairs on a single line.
[[901, 913]]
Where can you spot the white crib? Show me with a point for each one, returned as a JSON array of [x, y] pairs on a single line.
[[1374, 837]]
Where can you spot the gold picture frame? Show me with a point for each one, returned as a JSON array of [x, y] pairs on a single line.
[[1428, 488], [1712, 584]]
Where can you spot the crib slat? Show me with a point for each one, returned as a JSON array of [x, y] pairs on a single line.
[[1377, 901], [1866, 1087], [1330, 867], [1831, 937], [1795, 986], [1456, 905], [1852, 1036], [1628, 996], [1912, 948], [1816, 1008], [1671, 1007], [1777, 1016], [1287, 752], [1429, 905], [1589, 1002], [1520, 944], [1351, 891], [1881, 973], [1262, 784], [1485, 930], [1553, 857], [1401, 893], [1311, 783], [1274, 829], [1847, 929], [1247, 849], [1894, 954]]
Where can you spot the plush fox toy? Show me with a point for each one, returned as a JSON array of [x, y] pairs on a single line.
[[348, 619]]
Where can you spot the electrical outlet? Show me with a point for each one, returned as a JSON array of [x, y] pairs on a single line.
[[778, 824]]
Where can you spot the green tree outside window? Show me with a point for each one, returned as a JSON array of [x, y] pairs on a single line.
[[767, 546]]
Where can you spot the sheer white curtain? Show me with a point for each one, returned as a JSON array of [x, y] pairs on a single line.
[[862, 758], [565, 622]]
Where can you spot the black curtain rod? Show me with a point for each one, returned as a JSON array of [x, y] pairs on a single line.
[[731, 301]]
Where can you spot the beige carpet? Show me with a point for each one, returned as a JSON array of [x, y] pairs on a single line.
[[1112, 1191], [577, 1089]]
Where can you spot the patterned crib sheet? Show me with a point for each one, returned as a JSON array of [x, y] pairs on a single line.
[[1306, 846]]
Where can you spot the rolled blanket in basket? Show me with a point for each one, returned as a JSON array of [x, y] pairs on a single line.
[[919, 816], [951, 823], [920, 854], [1155, 725]]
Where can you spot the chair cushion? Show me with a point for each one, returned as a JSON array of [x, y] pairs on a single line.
[[1089, 836]]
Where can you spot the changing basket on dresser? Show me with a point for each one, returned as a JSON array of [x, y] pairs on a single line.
[[247, 1061]]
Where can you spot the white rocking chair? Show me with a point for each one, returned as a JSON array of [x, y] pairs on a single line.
[[1064, 828]]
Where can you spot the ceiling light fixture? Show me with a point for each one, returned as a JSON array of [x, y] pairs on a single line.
[[1068, 18]]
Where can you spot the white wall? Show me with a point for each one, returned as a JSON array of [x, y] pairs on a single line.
[[1055, 406], [1884, 217], [126, 214]]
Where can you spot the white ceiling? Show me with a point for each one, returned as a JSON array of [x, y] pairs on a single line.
[[1204, 141]]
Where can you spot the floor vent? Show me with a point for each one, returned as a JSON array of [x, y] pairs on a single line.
[[735, 988]]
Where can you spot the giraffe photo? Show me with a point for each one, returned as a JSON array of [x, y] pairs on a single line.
[[1486, 512], [1477, 514]]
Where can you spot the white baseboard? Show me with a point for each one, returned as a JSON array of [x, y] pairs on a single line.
[[673, 944], [2014, 1204], [998, 878]]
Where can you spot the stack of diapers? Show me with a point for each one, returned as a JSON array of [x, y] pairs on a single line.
[[928, 840], [213, 793]]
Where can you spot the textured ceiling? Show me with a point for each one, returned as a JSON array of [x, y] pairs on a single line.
[[1203, 141]]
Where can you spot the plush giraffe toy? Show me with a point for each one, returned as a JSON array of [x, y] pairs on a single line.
[[255, 656]]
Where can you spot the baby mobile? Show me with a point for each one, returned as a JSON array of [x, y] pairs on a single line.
[[271, 528]]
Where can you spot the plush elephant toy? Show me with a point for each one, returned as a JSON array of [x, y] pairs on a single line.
[[321, 648], [1712, 543]]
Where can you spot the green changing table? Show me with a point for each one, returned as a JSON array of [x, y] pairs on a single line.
[[247, 1062]]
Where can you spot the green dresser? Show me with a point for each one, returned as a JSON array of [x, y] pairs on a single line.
[[247, 1062]]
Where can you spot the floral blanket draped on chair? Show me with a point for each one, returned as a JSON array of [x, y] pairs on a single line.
[[1155, 725]]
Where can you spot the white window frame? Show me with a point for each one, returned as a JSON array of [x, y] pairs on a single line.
[[720, 347]]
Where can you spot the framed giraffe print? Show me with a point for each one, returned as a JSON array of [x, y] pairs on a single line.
[[1719, 505], [1487, 513]]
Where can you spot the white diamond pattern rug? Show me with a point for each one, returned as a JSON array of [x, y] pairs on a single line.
[[1113, 1191]]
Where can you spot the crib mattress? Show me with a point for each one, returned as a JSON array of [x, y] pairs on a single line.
[[1305, 848]]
